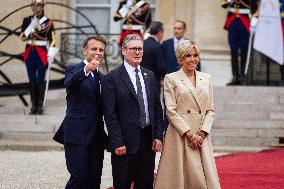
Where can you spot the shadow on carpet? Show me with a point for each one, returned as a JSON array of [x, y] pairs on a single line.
[[261, 170]]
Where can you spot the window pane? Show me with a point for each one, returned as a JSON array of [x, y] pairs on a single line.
[[98, 16], [94, 1]]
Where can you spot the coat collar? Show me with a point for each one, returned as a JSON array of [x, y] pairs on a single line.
[[194, 90]]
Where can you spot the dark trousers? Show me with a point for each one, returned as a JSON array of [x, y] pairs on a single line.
[[35, 68], [84, 163], [238, 40], [137, 168]]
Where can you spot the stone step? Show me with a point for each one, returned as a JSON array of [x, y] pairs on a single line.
[[8, 136], [31, 119], [250, 115], [247, 99], [241, 116], [221, 107], [244, 133], [249, 124], [25, 127], [231, 141], [30, 145], [248, 90]]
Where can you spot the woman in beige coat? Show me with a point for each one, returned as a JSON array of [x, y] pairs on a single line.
[[187, 160]]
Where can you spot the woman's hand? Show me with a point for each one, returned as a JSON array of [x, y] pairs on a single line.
[[195, 141]]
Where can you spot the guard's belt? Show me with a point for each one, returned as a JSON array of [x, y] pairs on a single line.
[[240, 11], [37, 42], [132, 27]]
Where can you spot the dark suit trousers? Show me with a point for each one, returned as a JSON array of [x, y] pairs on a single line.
[[84, 164], [138, 167]]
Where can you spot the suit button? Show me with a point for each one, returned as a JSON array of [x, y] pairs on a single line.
[[199, 112], [188, 111]]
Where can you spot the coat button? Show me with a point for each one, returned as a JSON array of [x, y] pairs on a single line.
[[188, 111]]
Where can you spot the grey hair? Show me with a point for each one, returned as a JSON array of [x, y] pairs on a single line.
[[130, 37]]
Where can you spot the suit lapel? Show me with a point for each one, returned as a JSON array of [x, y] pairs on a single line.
[[172, 46], [190, 86], [128, 81]]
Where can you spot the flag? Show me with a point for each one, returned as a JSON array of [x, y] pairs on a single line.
[[268, 34]]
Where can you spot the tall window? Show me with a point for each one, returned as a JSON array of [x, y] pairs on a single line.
[[100, 12]]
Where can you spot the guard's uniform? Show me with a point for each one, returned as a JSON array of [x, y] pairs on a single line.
[[238, 26], [35, 57], [136, 21]]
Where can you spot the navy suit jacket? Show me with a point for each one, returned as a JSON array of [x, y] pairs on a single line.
[[84, 112], [121, 109], [170, 56], [153, 58]]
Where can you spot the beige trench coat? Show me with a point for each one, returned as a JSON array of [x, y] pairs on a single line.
[[188, 107]]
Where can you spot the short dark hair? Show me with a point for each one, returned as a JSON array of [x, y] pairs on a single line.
[[183, 23], [156, 27], [96, 37]]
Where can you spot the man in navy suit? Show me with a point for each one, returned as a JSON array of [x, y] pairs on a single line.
[[169, 47], [133, 115], [83, 127], [153, 55]]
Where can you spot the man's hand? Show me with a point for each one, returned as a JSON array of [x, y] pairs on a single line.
[[157, 145], [120, 151], [93, 65]]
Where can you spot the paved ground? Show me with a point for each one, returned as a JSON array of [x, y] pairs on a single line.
[[41, 170]]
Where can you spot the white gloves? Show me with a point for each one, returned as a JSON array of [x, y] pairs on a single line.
[[253, 24]]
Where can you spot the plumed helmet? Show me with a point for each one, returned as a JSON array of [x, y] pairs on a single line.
[[37, 2]]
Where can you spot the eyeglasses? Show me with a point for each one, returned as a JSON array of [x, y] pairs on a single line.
[[135, 49]]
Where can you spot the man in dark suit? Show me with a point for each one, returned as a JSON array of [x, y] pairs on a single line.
[[83, 126], [133, 116], [169, 47], [153, 55]]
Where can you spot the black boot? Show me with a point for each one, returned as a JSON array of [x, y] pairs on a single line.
[[235, 70], [235, 81], [33, 95], [41, 92], [243, 67]]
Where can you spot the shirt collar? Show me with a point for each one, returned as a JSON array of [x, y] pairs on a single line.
[[181, 39], [129, 68], [154, 37], [85, 61]]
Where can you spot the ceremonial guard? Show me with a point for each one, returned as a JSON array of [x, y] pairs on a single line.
[[38, 33], [238, 27], [135, 16]]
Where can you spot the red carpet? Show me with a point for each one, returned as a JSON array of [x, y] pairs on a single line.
[[262, 170]]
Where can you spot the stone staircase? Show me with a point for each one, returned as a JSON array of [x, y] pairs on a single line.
[[248, 116], [245, 117]]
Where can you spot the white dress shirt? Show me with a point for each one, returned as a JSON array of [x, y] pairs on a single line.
[[132, 74], [176, 41]]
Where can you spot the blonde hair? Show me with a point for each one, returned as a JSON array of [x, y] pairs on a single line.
[[184, 47]]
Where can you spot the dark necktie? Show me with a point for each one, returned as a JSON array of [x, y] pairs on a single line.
[[140, 100], [97, 80]]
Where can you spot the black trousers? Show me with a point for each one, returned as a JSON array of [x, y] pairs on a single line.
[[84, 163], [137, 168]]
